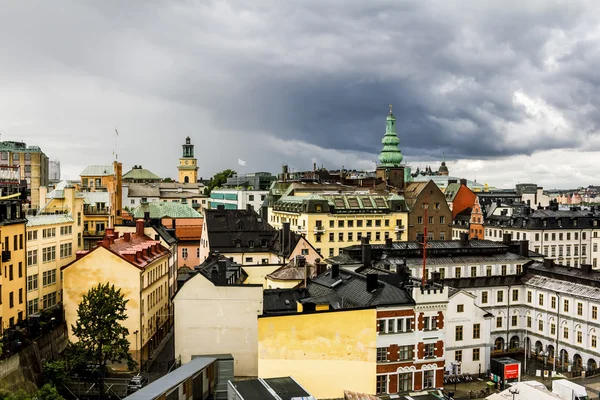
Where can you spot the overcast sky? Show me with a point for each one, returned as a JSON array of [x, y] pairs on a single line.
[[508, 90]]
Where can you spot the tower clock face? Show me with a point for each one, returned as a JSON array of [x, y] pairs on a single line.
[[186, 162]]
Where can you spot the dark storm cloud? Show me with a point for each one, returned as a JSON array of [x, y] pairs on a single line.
[[470, 79]]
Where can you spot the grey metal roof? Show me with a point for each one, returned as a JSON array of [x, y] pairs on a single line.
[[286, 388], [350, 291], [98, 170], [171, 380], [563, 286], [454, 260], [96, 197], [50, 219]]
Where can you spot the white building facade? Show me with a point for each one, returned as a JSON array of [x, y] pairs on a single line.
[[238, 199]]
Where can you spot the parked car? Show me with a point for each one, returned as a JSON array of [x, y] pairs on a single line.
[[136, 383]]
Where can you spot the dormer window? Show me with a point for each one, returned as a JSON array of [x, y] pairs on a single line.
[[251, 244], [545, 223], [263, 242], [240, 225], [238, 243], [574, 222]]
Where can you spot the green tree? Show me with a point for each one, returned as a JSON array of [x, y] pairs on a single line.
[[218, 179], [55, 372], [101, 336], [167, 180], [46, 392]]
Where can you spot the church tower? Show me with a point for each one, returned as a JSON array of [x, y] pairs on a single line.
[[390, 168], [188, 168], [476, 230]]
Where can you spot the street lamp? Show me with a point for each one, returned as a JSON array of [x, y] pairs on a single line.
[[545, 355], [138, 350], [513, 391]]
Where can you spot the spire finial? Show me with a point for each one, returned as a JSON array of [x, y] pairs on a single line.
[[390, 108]]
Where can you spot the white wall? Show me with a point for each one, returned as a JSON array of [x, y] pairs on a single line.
[[218, 319], [471, 315]]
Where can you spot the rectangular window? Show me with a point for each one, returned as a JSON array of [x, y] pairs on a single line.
[[580, 309], [488, 270], [420, 220], [566, 305], [458, 333], [32, 306], [594, 340], [49, 300], [579, 337], [529, 296], [11, 300], [359, 223], [377, 223], [405, 381], [594, 312], [49, 254], [429, 350], [540, 325], [476, 331], [49, 278], [565, 332], [32, 283], [428, 379], [513, 320], [484, 297], [382, 354], [553, 302], [515, 295], [476, 354], [32, 256], [405, 353], [473, 272], [369, 223], [331, 237], [498, 322], [351, 224], [458, 355], [341, 223], [541, 299], [457, 271], [500, 296], [552, 329], [460, 308], [382, 384], [503, 270], [341, 236], [66, 250]]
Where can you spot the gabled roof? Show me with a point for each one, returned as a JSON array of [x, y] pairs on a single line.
[[349, 290], [412, 191], [282, 301], [98, 170], [159, 209], [239, 231], [294, 271], [143, 190]]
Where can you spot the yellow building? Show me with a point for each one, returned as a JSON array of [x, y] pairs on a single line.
[[12, 273], [32, 163], [105, 179], [52, 241], [188, 166], [326, 352], [331, 221], [137, 265]]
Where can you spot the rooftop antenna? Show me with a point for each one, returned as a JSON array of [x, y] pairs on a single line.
[[115, 148]]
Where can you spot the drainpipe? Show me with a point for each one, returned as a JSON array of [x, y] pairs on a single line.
[[508, 319], [557, 329]]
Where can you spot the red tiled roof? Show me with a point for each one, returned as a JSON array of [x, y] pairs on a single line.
[[188, 232], [136, 248]]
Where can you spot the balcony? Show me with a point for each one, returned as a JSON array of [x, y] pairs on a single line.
[[302, 229], [319, 229], [93, 233], [95, 210], [399, 228]]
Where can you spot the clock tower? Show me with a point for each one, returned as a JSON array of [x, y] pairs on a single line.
[[188, 168]]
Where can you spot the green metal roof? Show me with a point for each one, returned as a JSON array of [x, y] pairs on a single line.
[[98, 170], [18, 147], [166, 209], [141, 174]]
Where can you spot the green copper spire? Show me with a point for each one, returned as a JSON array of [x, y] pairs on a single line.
[[390, 155]]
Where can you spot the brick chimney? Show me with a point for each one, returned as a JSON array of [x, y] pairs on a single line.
[[139, 227], [80, 253], [127, 236]]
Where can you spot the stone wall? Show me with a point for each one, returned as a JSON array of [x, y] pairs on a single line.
[[23, 370]]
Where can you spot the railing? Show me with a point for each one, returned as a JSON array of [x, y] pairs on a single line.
[[95, 210], [399, 228], [302, 229], [91, 232], [319, 229]]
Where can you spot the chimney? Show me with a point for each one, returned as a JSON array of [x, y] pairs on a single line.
[[586, 268], [249, 208], [285, 234], [365, 248], [130, 256], [464, 239], [146, 215], [222, 269], [463, 182], [139, 227], [109, 231], [506, 238], [105, 242], [388, 242], [127, 236], [499, 202], [321, 266], [116, 235], [524, 248], [372, 282], [80, 253], [435, 276], [335, 271], [403, 274], [548, 263]]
